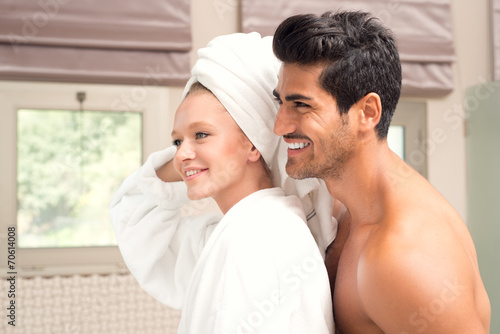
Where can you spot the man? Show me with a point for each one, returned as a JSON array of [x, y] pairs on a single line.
[[405, 263]]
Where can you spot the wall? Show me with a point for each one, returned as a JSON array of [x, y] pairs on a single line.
[[85, 304], [447, 158]]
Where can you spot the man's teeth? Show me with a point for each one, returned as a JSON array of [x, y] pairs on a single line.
[[192, 172], [296, 146]]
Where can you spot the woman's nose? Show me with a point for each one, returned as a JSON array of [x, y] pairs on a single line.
[[185, 151]]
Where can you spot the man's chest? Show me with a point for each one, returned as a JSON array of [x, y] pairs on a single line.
[[350, 316]]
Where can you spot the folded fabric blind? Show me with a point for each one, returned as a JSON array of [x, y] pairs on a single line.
[[112, 41], [423, 29], [496, 38]]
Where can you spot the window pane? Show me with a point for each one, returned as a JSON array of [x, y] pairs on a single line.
[[69, 165], [396, 140]]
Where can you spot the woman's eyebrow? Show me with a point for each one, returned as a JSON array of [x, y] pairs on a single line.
[[195, 125]]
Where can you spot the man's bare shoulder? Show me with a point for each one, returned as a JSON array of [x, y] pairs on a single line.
[[420, 270]]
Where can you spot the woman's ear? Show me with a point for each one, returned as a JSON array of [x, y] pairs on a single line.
[[371, 111], [254, 154]]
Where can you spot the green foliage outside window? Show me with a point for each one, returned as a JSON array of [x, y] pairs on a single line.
[[69, 165]]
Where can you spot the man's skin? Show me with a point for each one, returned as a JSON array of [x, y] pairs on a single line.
[[406, 261]]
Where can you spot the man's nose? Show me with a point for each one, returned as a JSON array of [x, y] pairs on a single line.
[[285, 122]]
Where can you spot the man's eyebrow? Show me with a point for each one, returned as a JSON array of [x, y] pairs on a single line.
[[276, 94], [291, 97]]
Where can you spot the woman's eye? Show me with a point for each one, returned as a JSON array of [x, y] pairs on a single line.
[[201, 135], [176, 142]]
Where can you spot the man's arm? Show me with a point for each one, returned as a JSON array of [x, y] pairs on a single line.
[[412, 287]]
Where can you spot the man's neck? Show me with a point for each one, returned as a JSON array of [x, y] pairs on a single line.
[[363, 184]]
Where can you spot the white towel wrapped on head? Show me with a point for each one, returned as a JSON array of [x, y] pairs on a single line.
[[241, 71]]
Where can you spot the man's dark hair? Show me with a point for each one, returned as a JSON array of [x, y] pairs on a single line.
[[359, 54]]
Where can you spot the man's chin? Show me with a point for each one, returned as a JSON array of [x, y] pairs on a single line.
[[297, 172]]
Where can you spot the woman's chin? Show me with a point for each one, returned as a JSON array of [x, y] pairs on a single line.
[[195, 195]]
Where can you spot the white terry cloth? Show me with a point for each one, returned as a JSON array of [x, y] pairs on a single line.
[[159, 246], [277, 285], [211, 267], [242, 71], [316, 200]]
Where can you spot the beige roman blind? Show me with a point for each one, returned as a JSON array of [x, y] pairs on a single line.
[[143, 42], [423, 29], [496, 38]]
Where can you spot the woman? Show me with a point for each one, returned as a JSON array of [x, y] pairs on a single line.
[[257, 269]]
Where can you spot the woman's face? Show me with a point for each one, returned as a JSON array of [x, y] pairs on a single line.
[[212, 151]]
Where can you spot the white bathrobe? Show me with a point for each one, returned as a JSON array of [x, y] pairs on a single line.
[[255, 270]]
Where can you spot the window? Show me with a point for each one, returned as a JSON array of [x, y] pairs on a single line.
[[407, 134], [62, 161], [396, 140], [67, 171]]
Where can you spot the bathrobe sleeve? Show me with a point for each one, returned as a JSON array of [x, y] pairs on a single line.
[[159, 246]]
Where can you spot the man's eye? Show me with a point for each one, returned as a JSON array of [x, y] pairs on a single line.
[[177, 142], [300, 104], [201, 135], [278, 100]]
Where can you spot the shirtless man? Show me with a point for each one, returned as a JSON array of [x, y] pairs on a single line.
[[406, 262]]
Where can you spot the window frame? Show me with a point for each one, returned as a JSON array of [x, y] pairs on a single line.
[[412, 115], [157, 106]]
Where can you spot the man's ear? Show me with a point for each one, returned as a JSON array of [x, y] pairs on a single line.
[[370, 107], [254, 154]]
